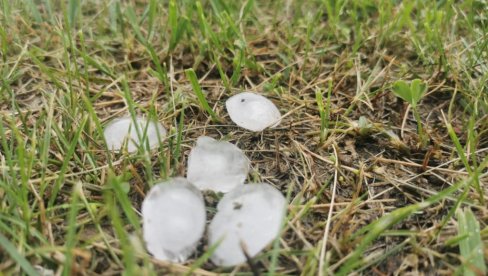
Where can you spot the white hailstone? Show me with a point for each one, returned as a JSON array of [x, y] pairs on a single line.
[[174, 217], [252, 111], [248, 218], [122, 130], [216, 165], [42, 271]]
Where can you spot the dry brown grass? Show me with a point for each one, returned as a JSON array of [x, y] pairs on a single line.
[[336, 186]]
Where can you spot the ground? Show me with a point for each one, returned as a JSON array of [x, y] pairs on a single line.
[[369, 192]]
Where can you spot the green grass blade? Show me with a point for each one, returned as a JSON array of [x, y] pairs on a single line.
[[205, 27], [6, 10], [117, 185], [73, 7], [179, 137], [276, 243], [471, 247], [21, 260], [49, 9], [248, 6], [177, 24], [67, 158], [153, 9], [71, 228], [375, 229], [203, 259], [321, 107], [457, 144], [119, 229], [237, 63], [161, 71], [190, 74], [33, 10], [132, 17], [113, 12]]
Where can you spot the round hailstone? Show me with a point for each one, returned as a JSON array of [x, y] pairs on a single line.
[[252, 111], [174, 217], [122, 130], [216, 165], [248, 218]]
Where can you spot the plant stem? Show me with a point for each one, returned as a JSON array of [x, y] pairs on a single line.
[[420, 130]]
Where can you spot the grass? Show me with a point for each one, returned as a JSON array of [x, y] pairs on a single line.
[[372, 188], [470, 243]]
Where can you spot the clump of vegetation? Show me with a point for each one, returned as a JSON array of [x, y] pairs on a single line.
[[370, 189], [413, 94]]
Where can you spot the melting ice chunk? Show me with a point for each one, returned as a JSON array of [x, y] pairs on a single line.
[[216, 165], [174, 217], [122, 130], [248, 218], [252, 111]]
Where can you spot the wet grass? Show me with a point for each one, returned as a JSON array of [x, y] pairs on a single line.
[[375, 185]]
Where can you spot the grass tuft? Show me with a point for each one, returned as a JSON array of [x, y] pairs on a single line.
[[409, 191]]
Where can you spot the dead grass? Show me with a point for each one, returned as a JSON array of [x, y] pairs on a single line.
[[52, 76]]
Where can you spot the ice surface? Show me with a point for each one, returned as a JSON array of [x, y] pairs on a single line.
[[122, 130], [252, 111], [216, 165], [174, 217], [249, 217]]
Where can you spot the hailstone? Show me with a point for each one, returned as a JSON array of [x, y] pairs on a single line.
[[248, 218], [121, 131], [252, 111], [174, 217], [216, 165]]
